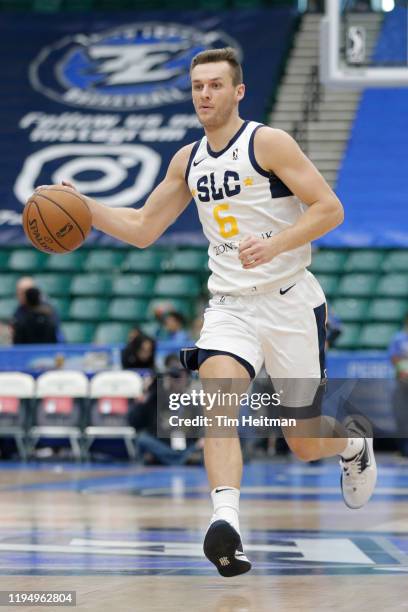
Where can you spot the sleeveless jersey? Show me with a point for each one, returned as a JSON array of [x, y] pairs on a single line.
[[235, 198]]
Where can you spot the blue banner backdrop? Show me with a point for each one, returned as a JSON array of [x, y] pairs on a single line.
[[104, 99]]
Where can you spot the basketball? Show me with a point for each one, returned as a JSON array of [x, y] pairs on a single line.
[[56, 219]]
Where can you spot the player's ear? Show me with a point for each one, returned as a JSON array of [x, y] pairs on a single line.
[[240, 92]]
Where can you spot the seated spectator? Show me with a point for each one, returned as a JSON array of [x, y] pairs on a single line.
[[27, 282], [172, 363], [139, 351], [144, 418], [173, 328], [36, 323]]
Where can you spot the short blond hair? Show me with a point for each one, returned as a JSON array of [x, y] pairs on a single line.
[[226, 54]]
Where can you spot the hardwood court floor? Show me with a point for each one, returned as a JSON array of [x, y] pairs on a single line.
[[129, 538]]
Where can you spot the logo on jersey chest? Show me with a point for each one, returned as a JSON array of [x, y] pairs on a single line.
[[209, 189]]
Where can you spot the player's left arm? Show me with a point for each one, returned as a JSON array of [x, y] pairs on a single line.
[[279, 153]]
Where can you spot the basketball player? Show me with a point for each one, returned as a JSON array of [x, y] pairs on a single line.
[[261, 202]]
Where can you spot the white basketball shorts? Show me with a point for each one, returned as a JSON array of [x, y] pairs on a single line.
[[285, 329]]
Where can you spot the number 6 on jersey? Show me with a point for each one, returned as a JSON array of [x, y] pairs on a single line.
[[228, 225]]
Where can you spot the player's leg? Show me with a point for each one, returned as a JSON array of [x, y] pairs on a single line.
[[224, 376], [317, 438], [222, 455], [294, 358], [228, 356]]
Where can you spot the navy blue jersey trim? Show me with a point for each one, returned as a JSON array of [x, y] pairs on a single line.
[[320, 314], [190, 159], [301, 413], [251, 153], [204, 354], [231, 142], [277, 187]]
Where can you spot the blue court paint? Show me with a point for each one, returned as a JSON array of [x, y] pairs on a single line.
[[178, 552], [263, 480], [156, 551]]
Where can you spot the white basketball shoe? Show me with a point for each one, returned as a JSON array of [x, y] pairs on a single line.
[[359, 474]]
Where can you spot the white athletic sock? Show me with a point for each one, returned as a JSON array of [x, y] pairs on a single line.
[[354, 446], [226, 505]]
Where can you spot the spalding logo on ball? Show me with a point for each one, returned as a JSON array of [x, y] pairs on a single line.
[[56, 219]]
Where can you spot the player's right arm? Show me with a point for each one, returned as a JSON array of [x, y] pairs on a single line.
[[141, 227]]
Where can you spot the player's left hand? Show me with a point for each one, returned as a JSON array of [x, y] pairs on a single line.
[[254, 251], [64, 183]]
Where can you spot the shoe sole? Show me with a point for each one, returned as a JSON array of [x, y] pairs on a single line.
[[220, 546], [371, 443]]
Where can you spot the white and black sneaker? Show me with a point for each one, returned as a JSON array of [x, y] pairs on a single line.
[[359, 474], [223, 547]]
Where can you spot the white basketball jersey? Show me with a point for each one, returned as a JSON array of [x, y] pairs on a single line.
[[235, 198]]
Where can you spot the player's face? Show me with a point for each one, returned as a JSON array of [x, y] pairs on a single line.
[[215, 97]]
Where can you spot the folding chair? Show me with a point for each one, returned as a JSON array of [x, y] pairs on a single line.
[[16, 393], [60, 408], [111, 396]]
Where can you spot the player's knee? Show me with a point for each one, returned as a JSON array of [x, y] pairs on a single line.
[[305, 449]]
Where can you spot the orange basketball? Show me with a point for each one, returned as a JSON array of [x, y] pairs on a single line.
[[56, 219]]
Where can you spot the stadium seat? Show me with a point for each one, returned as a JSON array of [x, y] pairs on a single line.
[[396, 261], [78, 333], [46, 6], [364, 261], [387, 310], [377, 335], [111, 333], [69, 262], [16, 392], [7, 307], [26, 260], [159, 306], [393, 285], [127, 309], [357, 285], [329, 283], [217, 5], [4, 257], [60, 406], [133, 285], [62, 306], [14, 5], [78, 5], [112, 396], [8, 284], [90, 284], [53, 284], [142, 261], [103, 259], [350, 309], [187, 260], [107, 4], [179, 285], [251, 4], [88, 309], [150, 329], [328, 262], [349, 337]]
